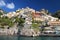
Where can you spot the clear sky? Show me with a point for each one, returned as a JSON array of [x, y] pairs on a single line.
[[12, 5]]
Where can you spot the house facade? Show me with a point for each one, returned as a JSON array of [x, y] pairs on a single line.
[[55, 25]]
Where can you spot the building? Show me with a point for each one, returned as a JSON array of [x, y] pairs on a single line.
[[55, 25], [37, 16], [52, 23]]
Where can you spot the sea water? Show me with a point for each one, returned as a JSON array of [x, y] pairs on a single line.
[[27, 38]]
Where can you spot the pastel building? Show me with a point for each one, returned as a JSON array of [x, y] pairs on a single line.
[[37, 16], [55, 24]]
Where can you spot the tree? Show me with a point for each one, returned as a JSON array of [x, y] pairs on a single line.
[[0, 13], [6, 21], [20, 22], [35, 26], [57, 14]]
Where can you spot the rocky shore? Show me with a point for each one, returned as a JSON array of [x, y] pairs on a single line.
[[10, 31], [24, 32], [29, 32]]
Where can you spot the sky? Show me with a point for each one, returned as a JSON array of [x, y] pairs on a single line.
[[12, 5]]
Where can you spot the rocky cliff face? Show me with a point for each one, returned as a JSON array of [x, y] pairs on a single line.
[[29, 32]]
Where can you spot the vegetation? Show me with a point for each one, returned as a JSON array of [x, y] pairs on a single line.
[[0, 13], [57, 14], [39, 25], [35, 26], [6, 21], [20, 21]]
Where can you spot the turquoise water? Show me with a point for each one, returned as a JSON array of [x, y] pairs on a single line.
[[28, 38]]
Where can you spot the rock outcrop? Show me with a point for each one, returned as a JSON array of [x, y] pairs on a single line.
[[29, 32]]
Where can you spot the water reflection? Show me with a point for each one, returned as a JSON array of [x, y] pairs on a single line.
[[39, 38], [27, 38]]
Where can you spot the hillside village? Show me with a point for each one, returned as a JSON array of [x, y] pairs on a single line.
[[29, 22]]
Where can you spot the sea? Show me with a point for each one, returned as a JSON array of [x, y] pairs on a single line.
[[28, 38]]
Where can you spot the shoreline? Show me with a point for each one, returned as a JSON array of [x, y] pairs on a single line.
[[41, 35]]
